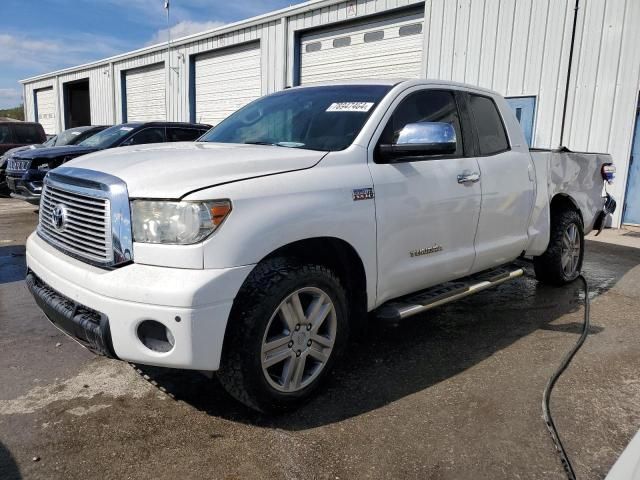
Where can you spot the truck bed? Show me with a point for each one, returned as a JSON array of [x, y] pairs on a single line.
[[575, 175]]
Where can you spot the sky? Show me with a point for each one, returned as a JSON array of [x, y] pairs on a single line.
[[39, 36]]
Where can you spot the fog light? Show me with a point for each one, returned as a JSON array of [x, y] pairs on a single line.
[[155, 336]]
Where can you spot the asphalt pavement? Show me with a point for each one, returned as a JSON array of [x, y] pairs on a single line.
[[455, 394]]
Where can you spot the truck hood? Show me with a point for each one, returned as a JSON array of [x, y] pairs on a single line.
[[172, 170]]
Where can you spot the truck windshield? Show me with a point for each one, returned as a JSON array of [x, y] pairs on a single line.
[[108, 137], [324, 118]]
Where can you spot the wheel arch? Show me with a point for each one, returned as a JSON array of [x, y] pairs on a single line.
[[341, 257], [563, 201]]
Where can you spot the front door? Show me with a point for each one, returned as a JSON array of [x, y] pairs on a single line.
[[631, 214], [426, 220]]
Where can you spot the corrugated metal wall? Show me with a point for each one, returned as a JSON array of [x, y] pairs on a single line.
[[518, 48], [605, 81]]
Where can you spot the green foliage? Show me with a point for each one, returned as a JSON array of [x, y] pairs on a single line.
[[16, 113]]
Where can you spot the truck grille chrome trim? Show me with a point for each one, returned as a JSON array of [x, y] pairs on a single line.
[[86, 215]]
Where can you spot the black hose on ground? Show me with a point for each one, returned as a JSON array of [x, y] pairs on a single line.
[[546, 409]]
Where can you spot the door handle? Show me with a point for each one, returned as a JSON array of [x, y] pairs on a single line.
[[468, 177]]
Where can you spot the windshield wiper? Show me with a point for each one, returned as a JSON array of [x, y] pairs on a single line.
[[258, 142], [276, 144]]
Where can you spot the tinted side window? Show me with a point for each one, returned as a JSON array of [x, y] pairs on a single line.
[[183, 134], [424, 106], [491, 135], [148, 135], [5, 134], [27, 134]]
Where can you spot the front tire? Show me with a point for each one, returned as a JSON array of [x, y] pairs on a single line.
[[562, 261], [288, 325]]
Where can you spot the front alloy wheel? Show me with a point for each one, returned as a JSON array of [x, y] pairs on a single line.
[[299, 339], [288, 325]]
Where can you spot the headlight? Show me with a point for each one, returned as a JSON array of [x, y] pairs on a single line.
[[177, 223]]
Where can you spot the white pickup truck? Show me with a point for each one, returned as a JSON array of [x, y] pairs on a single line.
[[260, 249]]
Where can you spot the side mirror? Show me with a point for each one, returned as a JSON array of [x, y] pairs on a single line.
[[419, 140]]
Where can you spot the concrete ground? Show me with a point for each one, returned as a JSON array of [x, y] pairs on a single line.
[[452, 395]]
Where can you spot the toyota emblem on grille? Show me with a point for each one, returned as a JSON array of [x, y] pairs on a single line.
[[59, 217]]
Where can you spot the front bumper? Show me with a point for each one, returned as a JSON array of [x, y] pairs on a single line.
[[24, 187], [89, 328], [193, 304]]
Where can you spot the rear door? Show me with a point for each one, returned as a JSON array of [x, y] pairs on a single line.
[[426, 220], [147, 135], [181, 134], [507, 184]]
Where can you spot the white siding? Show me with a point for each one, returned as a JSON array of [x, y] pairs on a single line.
[[46, 110], [146, 94], [120, 69], [605, 81], [226, 80], [518, 48], [391, 55], [29, 100]]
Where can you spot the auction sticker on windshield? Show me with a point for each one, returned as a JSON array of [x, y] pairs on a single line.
[[350, 107]]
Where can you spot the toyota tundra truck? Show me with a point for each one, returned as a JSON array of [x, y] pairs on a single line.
[[259, 250]]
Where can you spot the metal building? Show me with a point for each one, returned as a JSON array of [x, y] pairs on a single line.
[[570, 68]]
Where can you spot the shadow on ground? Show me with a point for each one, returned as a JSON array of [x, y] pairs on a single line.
[[8, 468], [385, 364], [12, 263]]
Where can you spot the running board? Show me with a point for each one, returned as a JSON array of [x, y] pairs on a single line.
[[404, 307]]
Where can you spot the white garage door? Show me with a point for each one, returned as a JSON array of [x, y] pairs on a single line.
[[145, 94], [225, 81], [46, 110], [390, 48]]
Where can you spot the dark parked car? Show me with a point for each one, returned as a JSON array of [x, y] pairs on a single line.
[[26, 169], [16, 134], [72, 136]]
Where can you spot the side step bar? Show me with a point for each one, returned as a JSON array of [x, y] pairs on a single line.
[[404, 307]]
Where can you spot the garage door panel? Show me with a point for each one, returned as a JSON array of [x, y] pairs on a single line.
[[145, 94], [225, 81], [46, 110], [387, 48]]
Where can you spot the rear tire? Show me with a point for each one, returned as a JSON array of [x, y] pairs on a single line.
[[288, 325], [562, 261]]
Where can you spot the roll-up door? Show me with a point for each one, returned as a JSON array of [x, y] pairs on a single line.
[[384, 48], [145, 94], [45, 109], [226, 80]]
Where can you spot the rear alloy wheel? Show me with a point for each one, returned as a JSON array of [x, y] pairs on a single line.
[[571, 250], [561, 262], [288, 325]]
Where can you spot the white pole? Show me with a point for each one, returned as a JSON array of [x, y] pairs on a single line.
[[168, 71]]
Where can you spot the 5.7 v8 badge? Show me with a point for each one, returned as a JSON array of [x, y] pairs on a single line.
[[363, 194]]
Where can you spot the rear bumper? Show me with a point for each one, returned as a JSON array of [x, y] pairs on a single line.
[[608, 208], [193, 304]]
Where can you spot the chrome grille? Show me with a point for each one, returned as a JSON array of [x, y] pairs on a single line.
[[85, 230], [17, 165]]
